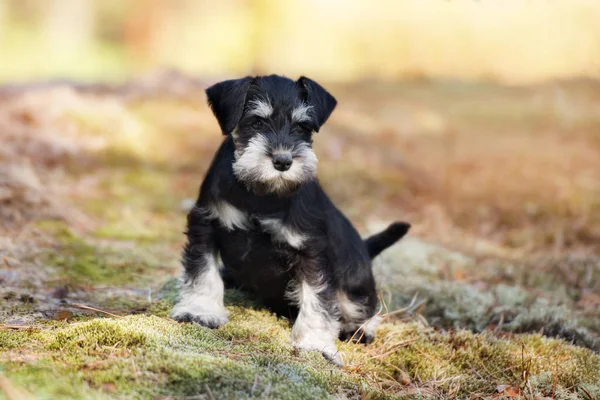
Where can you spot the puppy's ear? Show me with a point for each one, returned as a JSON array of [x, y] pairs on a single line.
[[316, 96], [226, 99]]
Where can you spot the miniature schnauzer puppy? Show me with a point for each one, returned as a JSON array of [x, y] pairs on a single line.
[[263, 212]]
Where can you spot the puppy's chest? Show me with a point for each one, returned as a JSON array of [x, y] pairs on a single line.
[[281, 232], [243, 223]]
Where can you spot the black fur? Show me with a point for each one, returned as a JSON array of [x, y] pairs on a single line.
[[323, 102], [332, 255], [227, 102], [381, 241]]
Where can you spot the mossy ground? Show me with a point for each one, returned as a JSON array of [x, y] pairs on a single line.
[[89, 258], [149, 356]]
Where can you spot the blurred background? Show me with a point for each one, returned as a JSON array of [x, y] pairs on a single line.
[[342, 40], [476, 121]]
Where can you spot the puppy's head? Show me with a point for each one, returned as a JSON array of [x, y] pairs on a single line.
[[271, 120]]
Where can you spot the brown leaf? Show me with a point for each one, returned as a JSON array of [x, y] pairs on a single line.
[[60, 292], [109, 387], [508, 391], [405, 379], [460, 275], [402, 377], [64, 315]]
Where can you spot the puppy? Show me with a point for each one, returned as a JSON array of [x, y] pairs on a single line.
[[262, 210]]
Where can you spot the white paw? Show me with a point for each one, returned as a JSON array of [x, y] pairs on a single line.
[[328, 350], [201, 300], [207, 320], [210, 317]]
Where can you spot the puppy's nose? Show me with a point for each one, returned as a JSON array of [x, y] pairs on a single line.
[[282, 162]]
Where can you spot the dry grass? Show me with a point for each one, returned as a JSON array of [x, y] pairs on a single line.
[[517, 167]]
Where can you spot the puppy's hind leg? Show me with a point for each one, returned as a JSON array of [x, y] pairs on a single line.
[[201, 297], [317, 326]]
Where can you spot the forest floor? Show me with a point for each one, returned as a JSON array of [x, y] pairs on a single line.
[[495, 292]]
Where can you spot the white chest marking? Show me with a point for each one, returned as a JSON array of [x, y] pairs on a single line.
[[283, 233], [229, 216]]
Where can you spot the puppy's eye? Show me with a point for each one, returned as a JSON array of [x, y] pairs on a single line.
[[257, 124]]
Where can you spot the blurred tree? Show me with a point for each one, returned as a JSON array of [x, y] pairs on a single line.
[[142, 29], [68, 30]]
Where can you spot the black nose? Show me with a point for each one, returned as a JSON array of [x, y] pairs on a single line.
[[282, 162]]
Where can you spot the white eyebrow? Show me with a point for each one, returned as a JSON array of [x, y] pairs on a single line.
[[260, 108], [301, 113]]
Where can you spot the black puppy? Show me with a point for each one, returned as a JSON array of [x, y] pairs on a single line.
[[279, 236]]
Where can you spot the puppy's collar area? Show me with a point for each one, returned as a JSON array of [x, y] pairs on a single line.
[[283, 233]]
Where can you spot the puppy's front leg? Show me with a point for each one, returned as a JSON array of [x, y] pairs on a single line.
[[201, 297], [317, 326]]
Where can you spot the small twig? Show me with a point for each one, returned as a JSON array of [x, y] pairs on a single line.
[[361, 328], [500, 323], [475, 371], [393, 348], [5, 261], [135, 371], [82, 306], [586, 392], [267, 390], [555, 383], [209, 392], [23, 327], [414, 305], [383, 301], [254, 385]]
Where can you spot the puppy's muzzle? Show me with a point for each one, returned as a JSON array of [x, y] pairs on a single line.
[[282, 162]]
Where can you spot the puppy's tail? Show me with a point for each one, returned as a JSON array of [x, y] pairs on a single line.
[[381, 241]]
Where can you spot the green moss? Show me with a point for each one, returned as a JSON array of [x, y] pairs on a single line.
[[137, 223], [147, 356], [81, 261], [96, 334], [124, 355], [11, 339], [139, 204], [471, 361], [50, 379]]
